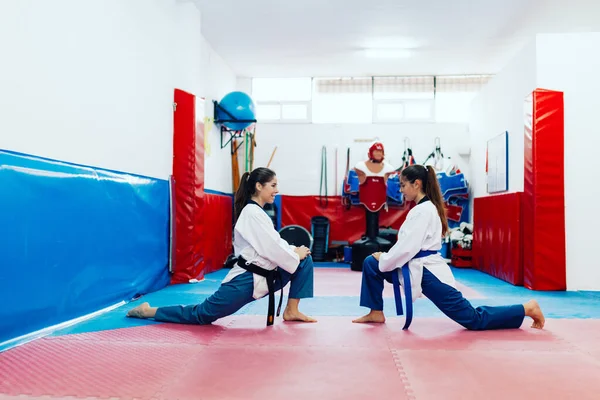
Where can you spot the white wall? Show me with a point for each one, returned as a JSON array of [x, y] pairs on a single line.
[[92, 81], [220, 80], [244, 84], [499, 108], [298, 157], [569, 63]]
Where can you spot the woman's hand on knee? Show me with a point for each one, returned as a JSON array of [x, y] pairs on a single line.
[[302, 252]]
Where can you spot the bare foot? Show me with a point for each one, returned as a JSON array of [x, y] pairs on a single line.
[[533, 310], [372, 317], [141, 311], [289, 315]]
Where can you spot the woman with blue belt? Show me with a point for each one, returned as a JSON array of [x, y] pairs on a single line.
[[263, 263], [414, 259]]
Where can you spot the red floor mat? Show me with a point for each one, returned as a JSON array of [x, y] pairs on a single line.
[[336, 282], [445, 334], [500, 375], [260, 372], [160, 333], [92, 368], [327, 332], [332, 359]]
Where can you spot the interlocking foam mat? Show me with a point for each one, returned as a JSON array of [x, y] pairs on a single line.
[[238, 357]]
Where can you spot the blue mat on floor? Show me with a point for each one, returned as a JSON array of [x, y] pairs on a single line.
[[497, 292], [331, 265]]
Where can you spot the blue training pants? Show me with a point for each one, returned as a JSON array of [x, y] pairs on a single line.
[[235, 294], [449, 300]]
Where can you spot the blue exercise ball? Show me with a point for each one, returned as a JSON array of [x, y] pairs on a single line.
[[240, 106]]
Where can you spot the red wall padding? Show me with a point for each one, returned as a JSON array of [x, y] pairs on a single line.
[[345, 225], [218, 227], [188, 176], [544, 254], [497, 241]]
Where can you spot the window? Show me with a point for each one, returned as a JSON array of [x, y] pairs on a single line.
[[281, 89], [366, 99], [268, 112], [389, 111], [403, 99], [282, 99], [342, 100], [403, 88], [295, 111], [454, 95]]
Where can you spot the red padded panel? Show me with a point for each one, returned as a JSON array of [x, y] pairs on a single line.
[[218, 227], [497, 243], [453, 212], [544, 252], [188, 174], [345, 225]]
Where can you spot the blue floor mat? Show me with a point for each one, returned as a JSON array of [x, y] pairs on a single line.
[[496, 292], [319, 264]]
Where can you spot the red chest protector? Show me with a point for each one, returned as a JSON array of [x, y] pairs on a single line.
[[373, 193]]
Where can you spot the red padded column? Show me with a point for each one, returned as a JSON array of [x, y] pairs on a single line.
[[544, 254], [188, 176]]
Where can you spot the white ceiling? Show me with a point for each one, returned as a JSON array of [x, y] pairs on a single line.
[[290, 38]]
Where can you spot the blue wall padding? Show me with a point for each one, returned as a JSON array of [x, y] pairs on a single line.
[[278, 207], [75, 239]]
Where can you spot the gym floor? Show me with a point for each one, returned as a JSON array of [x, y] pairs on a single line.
[[238, 357]]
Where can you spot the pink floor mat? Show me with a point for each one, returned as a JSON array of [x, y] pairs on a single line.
[[239, 358], [336, 282]]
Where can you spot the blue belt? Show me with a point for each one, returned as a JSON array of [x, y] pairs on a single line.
[[407, 288]]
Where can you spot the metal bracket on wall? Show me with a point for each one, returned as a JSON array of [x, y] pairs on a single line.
[[233, 134]]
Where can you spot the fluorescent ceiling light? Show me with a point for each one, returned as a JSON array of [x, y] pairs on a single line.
[[391, 42], [388, 53]]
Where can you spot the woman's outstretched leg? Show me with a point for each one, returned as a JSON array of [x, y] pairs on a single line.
[[228, 299], [452, 303]]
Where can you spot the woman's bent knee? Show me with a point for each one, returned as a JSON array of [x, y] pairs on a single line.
[[370, 264], [307, 262]]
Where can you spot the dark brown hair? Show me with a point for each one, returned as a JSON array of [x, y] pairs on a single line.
[[431, 187], [247, 187]]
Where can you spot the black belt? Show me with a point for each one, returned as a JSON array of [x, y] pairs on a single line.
[[271, 275]]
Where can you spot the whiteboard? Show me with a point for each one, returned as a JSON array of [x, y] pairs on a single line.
[[497, 164]]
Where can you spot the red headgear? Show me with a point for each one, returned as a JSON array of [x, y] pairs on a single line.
[[375, 146]]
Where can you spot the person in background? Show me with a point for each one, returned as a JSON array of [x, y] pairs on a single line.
[[375, 165]]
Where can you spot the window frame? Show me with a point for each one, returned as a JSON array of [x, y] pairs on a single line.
[[282, 120], [404, 119]]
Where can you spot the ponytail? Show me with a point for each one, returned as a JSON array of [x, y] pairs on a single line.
[[434, 193], [247, 188], [431, 187], [241, 196]]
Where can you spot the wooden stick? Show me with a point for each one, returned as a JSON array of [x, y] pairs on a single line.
[[272, 155]]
